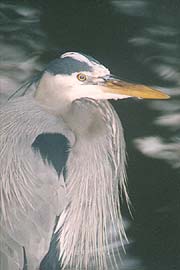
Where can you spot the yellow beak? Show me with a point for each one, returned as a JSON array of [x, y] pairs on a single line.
[[119, 87]]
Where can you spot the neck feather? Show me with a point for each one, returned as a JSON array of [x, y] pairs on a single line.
[[94, 177]]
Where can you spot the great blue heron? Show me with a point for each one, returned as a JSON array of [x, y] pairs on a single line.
[[62, 163]]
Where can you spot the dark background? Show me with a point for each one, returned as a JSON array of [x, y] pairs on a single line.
[[138, 41]]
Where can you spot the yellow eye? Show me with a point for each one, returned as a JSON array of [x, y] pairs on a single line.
[[81, 77]]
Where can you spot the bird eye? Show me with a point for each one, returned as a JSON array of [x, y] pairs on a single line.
[[81, 77]]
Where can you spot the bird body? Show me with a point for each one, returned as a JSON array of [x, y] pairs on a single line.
[[45, 194], [62, 158]]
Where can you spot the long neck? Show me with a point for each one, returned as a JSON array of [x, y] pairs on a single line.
[[47, 95], [95, 168]]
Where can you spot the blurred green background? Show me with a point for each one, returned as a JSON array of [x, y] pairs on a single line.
[[139, 41]]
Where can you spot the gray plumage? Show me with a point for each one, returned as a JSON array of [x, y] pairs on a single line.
[[29, 186], [59, 216]]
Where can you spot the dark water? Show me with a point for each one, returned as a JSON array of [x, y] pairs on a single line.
[[140, 41]]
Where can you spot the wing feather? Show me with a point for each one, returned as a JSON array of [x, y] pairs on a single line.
[[33, 154]]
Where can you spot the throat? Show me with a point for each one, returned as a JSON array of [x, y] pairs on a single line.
[[85, 119]]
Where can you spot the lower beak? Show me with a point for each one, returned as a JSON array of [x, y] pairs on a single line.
[[114, 86]]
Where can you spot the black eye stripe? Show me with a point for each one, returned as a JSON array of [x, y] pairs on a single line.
[[67, 66]]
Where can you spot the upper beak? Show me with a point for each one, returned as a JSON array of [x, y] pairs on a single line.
[[115, 86]]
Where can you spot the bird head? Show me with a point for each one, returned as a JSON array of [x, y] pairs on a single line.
[[74, 76]]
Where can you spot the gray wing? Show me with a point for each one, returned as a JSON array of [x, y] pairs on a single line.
[[54, 149], [32, 190], [32, 229]]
